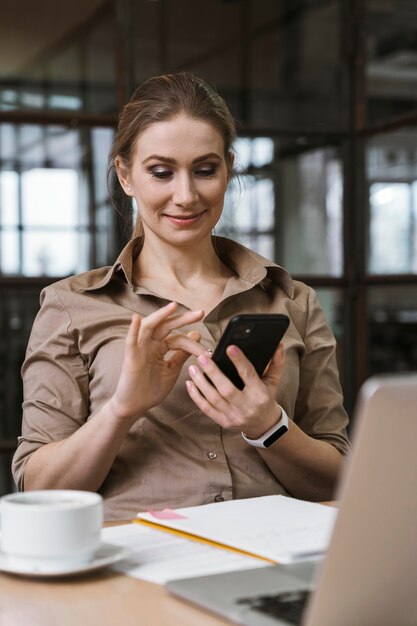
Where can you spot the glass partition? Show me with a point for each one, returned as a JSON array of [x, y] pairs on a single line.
[[310, 197], [249, 214], [69, 65], [333, 304], [287, 204], [266, 58], [392, 179], [55, 218], [392, 323], [389, 29]]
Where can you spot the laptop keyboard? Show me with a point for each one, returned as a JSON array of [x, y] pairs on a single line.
[[286, 606]]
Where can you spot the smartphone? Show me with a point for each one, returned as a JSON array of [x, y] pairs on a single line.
[[257, 335]]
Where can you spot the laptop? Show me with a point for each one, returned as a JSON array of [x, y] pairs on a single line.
[[368, 576]]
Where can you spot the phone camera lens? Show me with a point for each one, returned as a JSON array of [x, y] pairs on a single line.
[[242, 331]]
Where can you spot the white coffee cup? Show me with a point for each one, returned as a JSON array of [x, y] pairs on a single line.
[[50, 529]]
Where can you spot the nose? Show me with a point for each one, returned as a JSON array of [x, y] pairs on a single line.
[[185, 192]]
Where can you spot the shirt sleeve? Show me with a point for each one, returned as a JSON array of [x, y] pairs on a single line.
[[55, 382], [319, 407]]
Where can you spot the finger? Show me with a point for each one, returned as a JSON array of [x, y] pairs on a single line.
[[223, 413], [133, 331], [151, 321], [177, 359], [207, 389], [176, 322], [275, 369], [244, 367], [204, 405], [179, 341], [224, 386], [181, 354]]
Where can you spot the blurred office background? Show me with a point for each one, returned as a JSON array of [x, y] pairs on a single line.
[[325, 93]]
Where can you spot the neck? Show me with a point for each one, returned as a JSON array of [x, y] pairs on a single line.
[[181, 264]]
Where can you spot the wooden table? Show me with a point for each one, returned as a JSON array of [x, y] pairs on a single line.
[[102, 598]]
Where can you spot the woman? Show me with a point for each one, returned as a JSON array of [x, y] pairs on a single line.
[[115, 394]]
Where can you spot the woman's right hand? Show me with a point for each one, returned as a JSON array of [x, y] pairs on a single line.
[[153, 358]]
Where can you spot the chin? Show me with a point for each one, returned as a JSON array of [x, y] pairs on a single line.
[[181, 239]]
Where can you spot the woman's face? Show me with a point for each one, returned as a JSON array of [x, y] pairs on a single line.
[[178, 178]]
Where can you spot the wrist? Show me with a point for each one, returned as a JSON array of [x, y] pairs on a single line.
[[116, 412], [274, 433], [257, 428]]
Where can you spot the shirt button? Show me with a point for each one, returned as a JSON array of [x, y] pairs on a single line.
[[218, 499], [212, 454]]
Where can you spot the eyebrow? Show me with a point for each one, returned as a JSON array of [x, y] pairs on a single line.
[[166, 159]]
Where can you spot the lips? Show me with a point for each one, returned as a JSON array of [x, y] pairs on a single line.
[[184, 217], [184, 221]]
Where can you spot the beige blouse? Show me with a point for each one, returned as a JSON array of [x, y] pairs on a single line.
[[174, 455]]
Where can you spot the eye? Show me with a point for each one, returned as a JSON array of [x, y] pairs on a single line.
[[205, 171], [160, 173]]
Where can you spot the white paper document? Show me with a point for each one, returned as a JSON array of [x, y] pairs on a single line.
[[279, 528], [157, 556]]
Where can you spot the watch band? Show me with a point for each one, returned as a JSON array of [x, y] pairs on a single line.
[[271, 435]]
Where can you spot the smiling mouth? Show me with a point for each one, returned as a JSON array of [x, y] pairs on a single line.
[[185, 218]]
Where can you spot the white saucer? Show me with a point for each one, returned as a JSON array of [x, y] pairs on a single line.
[[106, 554]]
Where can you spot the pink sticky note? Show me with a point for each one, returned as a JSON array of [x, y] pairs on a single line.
[[166, 514]]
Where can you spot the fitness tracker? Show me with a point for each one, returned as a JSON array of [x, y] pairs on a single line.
[[271, 435]]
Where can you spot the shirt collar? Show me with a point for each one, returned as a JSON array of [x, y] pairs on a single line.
[[251, 266], [248, 265], [123, 264]]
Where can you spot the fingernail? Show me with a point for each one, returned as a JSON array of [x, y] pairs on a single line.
[[193, 370], [233, 350], [203, 359]]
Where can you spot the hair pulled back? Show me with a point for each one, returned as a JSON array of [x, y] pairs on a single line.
[[159, 99]]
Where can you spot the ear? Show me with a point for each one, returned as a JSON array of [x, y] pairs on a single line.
[[123, 174]]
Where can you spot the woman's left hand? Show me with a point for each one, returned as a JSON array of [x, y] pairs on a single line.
[[253, 409]]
